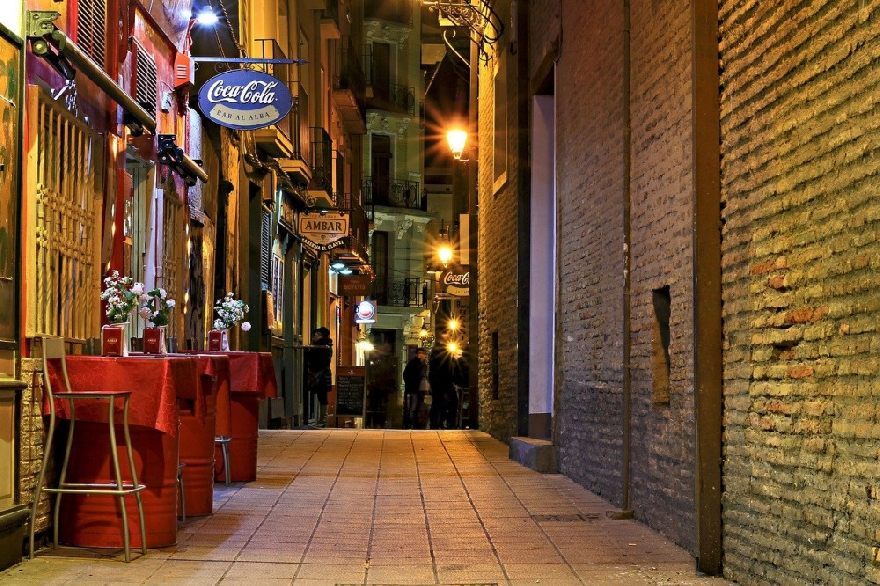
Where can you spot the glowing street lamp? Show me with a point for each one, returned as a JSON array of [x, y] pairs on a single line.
[[457, 138], [207, 17], [444, 253], [452, 325]]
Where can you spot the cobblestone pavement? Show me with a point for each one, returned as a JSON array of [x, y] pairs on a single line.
[[390, 507]]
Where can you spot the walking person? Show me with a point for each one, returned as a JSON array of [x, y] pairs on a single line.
[[441, 375], [415, 386], [318, 374]]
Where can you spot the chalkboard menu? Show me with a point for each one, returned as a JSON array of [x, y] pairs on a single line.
[[350, 387]]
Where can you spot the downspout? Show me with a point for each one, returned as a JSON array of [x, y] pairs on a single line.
[[627, 266]]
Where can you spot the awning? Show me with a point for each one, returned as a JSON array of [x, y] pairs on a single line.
[[39, 23]]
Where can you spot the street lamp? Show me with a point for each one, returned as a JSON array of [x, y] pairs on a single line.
[[457, 139], [452, 325], [444, 254], [207, 17]]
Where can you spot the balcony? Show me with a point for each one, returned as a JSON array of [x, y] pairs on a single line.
[[349, 90], [408, 292], [355, 249], [330, 24], [276, 140], [398, 12], [298, 165], [321, 185], [394, 194]]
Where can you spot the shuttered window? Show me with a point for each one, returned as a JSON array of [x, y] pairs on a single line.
[[266, 251], [91, 28], [145, 78]]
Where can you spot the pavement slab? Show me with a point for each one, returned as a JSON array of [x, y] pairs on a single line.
[[336, 507]]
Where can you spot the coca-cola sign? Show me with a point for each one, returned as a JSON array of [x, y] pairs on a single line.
[[456, 282], [244, 99]]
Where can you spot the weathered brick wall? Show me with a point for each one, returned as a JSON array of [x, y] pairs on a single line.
[[31, 439], [801, 273], [497, 254], [662, 188], [591, 108], [590, 141]]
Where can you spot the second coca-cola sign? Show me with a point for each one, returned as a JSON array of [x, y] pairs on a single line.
[[244, 99], [456, 282]]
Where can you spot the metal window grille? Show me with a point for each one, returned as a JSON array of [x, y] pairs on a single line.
[[91, 28], [278, 286], [145, 79], [63, 222], [266, 251]]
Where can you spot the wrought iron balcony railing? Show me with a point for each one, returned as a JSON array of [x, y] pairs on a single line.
[[322, 160], [409, 292], [397, 194]]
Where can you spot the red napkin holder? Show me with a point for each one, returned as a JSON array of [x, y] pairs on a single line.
[[218, 340], [113, 340], [154, 341]]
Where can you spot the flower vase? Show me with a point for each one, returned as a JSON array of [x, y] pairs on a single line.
[[218, 340], [154, 340], [115, 339]]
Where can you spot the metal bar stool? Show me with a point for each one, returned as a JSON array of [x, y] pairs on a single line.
[[223, 442], [181, 490], [53, 349]]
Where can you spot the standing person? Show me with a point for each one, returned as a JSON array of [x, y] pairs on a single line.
[[318, 375], [414, 386], [441, 375]]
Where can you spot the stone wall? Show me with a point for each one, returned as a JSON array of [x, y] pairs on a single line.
[[801, 272]]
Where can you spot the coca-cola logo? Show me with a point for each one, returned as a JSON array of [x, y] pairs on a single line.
[[244, 99], [457, 279]]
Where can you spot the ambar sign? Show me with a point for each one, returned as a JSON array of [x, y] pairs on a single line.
[[244, 99], [323, 231]]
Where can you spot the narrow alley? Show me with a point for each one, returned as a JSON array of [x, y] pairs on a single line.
[[391, 507]]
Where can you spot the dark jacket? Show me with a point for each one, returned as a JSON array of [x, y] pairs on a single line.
[[413, 373], [318, 367], [441, 370]]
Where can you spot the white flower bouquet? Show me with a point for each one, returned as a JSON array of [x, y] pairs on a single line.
[[122, 295], [229, 312], [156, 307]]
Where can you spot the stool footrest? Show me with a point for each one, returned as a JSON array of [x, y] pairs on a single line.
[[87, 488]]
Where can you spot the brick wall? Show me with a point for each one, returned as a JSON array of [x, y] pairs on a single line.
[[31, 439], [590, 142], [497, 253], [662, 188], [801, 243], [591, 174]]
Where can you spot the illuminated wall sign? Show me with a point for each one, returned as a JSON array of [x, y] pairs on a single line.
[[365, 312], [354, 285], [323, 231], [244, 99], [456, 282]]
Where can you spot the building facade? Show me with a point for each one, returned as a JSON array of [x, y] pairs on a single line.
[[708, 367]]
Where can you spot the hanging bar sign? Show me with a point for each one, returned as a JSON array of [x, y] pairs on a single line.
[[244, 99]]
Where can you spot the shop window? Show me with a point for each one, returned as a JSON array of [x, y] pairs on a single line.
[[63, 276], [660, 364], [91, 28]]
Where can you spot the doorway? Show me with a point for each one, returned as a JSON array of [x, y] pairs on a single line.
[[381, 168], [542, 263]]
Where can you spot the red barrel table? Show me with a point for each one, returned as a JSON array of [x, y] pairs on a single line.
[[198, 428], [156, 385], [252, 379]]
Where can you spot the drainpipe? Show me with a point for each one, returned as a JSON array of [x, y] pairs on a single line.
[[627, 266]]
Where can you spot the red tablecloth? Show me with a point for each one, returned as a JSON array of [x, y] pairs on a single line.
[[252, 372], [156, 385]]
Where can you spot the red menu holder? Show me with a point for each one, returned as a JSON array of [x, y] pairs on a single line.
[[218, 340], [154, 341], [113, 340]]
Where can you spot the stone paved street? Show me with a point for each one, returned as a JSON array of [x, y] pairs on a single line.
[[374, 507]]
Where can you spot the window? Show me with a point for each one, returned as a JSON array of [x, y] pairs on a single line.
[[266, 251], [91, 29], [63, 277], [278, 287], [145, 84], [660, 365]]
